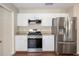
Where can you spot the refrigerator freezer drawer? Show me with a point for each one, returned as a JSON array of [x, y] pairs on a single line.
[[67, 48]]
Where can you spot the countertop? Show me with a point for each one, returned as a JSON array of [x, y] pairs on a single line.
[[27, 33]]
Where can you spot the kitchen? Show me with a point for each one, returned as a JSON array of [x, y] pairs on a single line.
[[39, 29]]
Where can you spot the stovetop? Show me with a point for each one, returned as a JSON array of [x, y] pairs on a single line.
[[35, 33]]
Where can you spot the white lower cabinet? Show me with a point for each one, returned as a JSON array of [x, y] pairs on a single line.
[[21, 43], [48, 43]]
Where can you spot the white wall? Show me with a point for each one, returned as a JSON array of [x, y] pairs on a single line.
[[69, 10], [41, 10], [76, 14]]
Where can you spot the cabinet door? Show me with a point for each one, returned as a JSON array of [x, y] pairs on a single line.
[[22, 20], [46, 20], [48, 43], [21, 43]]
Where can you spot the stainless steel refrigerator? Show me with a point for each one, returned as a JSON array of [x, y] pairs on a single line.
[[65, 34]]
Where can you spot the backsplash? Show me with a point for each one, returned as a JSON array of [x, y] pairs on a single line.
[[25, 29]]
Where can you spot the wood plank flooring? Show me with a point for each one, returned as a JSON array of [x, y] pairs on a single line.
[[35, 54], [24, 53]]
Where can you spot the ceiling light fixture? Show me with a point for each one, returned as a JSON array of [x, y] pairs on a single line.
[[49, 4]]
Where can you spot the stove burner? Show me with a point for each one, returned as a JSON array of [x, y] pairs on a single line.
[[35, 33]]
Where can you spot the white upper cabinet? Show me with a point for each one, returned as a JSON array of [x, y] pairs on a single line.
[[34, 16], [22, 20], [46, 20]]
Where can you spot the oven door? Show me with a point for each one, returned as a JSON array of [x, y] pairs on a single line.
[[34, 44]]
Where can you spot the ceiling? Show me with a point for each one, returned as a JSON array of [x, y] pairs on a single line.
[[42, 5]]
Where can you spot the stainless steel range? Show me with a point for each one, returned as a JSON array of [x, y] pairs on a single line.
[[34, 41]]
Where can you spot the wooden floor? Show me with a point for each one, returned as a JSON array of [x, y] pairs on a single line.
[[40, 54], [35, 54]]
